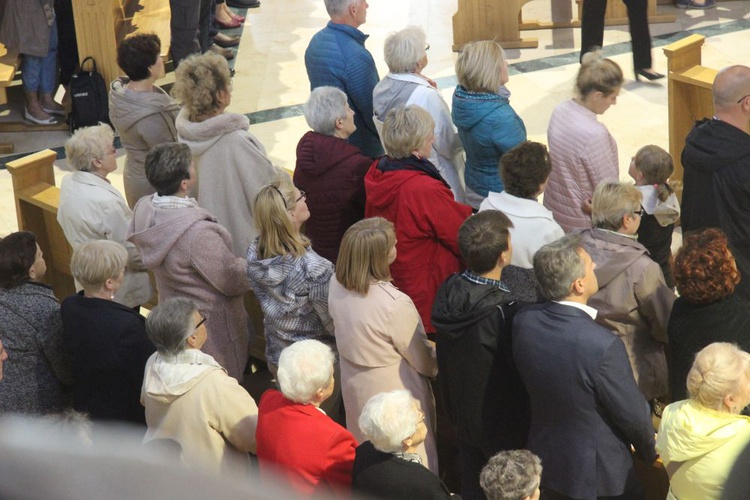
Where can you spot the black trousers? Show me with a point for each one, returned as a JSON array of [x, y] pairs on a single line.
[[592, 29], [67, 46], [190, 24]]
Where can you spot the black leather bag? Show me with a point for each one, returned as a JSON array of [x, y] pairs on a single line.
[[89, 95]]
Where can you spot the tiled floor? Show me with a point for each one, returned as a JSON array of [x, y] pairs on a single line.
[[271, 83]]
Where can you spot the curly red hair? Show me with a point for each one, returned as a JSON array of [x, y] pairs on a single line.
[[704, 268]]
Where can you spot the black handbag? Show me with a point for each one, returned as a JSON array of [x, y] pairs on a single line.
[[89, 96]]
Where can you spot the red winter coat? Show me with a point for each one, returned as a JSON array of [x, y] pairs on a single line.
[[331, 172], [303, 445], [427, 219]]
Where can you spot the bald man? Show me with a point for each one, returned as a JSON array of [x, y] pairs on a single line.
[[716, 160]]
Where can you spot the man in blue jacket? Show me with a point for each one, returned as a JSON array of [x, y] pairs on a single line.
[[586, 409], [337, 57]]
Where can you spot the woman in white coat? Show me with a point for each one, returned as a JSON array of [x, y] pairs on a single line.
[[91, 208], [380, 338], [406, 56]]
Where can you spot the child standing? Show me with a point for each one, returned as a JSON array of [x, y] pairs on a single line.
[[650, 168]]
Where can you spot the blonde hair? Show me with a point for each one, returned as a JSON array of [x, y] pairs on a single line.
[[719, 370], [404, 49], [611, 202], [198, 81], [278, 236], [478, 66], [656, 166], [88, 144], [598, 74], [96, 261], [363, 255], [405, 129]]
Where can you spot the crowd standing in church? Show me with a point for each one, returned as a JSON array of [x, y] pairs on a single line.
[[388, 273]]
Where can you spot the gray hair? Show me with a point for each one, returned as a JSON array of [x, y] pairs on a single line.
[[88, 144], [718, 371], [611, 202], [304, 368], [167, 165], [95, 261], [557, 265], [337, 7], [511, 475], [405, 129], [169, 325], [388, 418], [324, 106], [404, 49]]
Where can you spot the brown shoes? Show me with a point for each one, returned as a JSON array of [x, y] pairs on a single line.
[[225, 41], [228, 54]]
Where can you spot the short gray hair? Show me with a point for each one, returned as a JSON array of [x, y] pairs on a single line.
[[404, 49], [388, 418], [304, 368], [87, 144], [718, 371], [95, 261], [167, 165], [611, 202], [337, 7], [511, 475], [557, 265], [405, 129], [169, 325], [324, 106]]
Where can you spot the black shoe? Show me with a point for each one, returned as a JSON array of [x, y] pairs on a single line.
[[243, 4], [225, 41], [648, 75]]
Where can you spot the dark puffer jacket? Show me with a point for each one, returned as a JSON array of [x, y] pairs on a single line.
[[332, 173]]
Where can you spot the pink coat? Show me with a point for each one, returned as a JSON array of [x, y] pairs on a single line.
[[191, 256], [583, 154]]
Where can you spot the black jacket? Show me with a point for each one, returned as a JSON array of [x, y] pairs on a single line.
[[108, 348], [483, 395], [382, 475], [694, 326], [716, 190]]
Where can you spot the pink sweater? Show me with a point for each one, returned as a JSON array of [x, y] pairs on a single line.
[[583, 154]]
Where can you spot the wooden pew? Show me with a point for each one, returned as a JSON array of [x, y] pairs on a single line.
[[690, 85], [9, 61], [490, 20], [37, 198], [102, 24]]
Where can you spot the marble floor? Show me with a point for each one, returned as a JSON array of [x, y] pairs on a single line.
[[271, 84]]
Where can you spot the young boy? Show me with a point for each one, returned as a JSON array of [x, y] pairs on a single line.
[[472, 313]]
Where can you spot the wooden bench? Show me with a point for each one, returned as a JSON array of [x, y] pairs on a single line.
[[102, 24], [690, 93], [9, 61], [37, 198]]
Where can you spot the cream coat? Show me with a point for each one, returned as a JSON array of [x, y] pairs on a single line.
[[382, 347], [93, 209], [190, 399]]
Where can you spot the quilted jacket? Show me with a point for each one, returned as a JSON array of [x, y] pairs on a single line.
[[583, 154], [337, 57], [488, 127], [331, 172]]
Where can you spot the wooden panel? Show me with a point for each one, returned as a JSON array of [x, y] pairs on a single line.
[[9, 62], [617, 13], [490, 20], [148, 16], [96, 24]]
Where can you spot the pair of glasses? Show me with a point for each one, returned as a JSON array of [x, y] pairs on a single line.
[[302, 196], [426, 47], [640, 212], [203, 320], [743, 98]]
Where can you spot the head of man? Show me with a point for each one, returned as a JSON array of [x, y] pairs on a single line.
[[565, 271], [350, 12], [512, 475], [731, 95], [170, 169], [484, 241]]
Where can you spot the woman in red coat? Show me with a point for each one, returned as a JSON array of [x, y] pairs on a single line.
[[405, 188]]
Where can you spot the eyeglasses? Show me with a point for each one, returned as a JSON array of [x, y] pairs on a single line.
[[203, 320], [743, 98], [302, 196], [640, 212], [426, 47]]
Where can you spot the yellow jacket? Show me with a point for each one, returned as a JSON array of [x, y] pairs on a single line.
[[706, 441]]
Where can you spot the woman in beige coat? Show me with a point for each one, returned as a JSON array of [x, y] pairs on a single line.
[[380, 338]]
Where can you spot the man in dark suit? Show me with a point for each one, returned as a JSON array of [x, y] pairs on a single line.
[[586, 409]]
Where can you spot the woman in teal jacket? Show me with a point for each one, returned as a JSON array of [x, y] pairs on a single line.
[[487, 124]]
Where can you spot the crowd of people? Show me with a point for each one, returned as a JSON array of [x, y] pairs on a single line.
[[406, 261]]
